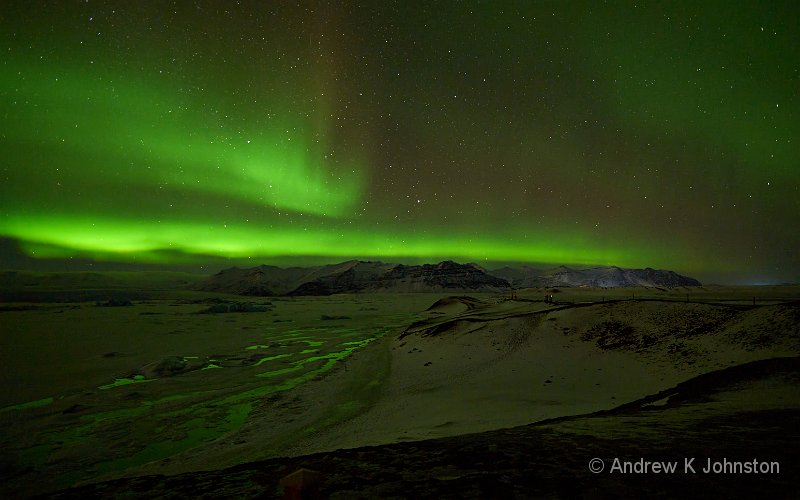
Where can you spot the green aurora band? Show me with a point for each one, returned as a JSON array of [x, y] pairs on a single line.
[[132, 133], [103, 128], [114, 239], [600, 136]]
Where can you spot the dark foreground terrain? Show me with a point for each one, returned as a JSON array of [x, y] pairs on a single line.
[[740, 414], [135, 386]]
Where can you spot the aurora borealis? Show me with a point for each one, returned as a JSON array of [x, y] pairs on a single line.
[[661, 135]]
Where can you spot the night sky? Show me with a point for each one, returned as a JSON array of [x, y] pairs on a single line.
[[634, 134]]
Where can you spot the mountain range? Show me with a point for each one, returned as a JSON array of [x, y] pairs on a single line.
[[600, 277], [356, 276]]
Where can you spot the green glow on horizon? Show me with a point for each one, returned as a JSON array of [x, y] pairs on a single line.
[[119, 239]]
